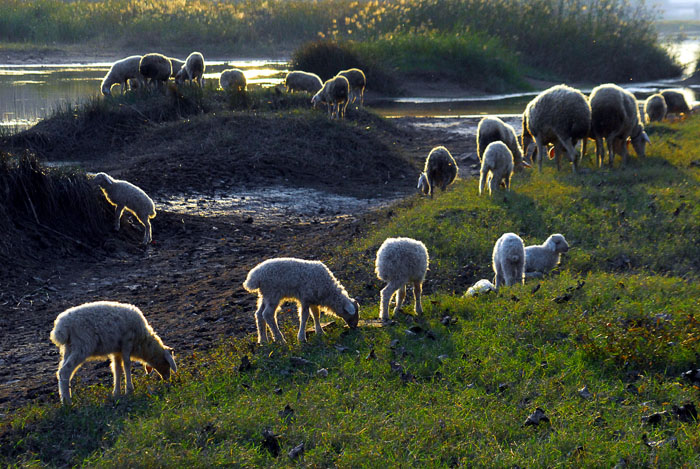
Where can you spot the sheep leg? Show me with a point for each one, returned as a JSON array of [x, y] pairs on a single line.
[[541, 151], [117, 369], [316, 315], [270, 316], [498, 278], [126, 362], [303, 317], [386, 294], [599, 151], [400, 297], [65, 372], [147, 231], [260, 322], [493, 184], [417, 294], [119, 211], [611, 149], [483, 178], [506, 179]]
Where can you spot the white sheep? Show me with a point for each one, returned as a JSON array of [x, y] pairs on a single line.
[[400, 261], [356, 79], [541, 259], [106, 329], [509, 260], [121, 72], [156, 68], [126, 196], [440, 170], [233, 79], [335, 94], [675, 102], [560, 116], [496, 167], [302, 81], [493, 129], [655, 108], [310, 284], [193, 70]]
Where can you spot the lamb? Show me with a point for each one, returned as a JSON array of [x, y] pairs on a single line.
[[335, 94], [493, 129], [156, 68], [540, 260], [102, 329], [496, 166], [655, 108], [193, 70], [440, 171], [232, 79], [560, 116], [356, 79], [121, 72], [509, 260], [675, 102], [400, 261], [302, 81], [308, 283], [126, 196]]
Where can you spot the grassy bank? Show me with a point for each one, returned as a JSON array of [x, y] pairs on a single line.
[[618, 317]]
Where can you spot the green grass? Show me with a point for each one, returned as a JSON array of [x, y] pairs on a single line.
[[626, 332]]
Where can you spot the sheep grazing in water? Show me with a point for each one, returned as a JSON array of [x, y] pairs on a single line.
[[308, 283], [655, 108], [356, 79], [102, 329], [493, 129], [541, 259], [335, 94], [156, 68], [675, 102], [400, 261], [193, 70], [126, 196], [440, 171], [509, 260], [496, 167], [233, 79], [302, 81], [560, 116], [123, 72]]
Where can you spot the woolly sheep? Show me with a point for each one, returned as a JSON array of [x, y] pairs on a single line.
[[541, 259], [335, 94], [560, 116], [94, 331], [232, 79], [655, 108], [176, 65], [493, 129], [356, 79], [440, 171], [509, 260], [308, 283], [193, 70], [400, 261], [675, 102], [120, 73], [156, 68], [126, 196], [496, 166], [302, 81]]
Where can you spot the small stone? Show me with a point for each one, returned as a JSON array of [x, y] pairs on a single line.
[[296, 451], [585, 393], [536, 417]]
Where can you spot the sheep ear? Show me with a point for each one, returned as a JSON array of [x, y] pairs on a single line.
[[355, 308], [645, 138], [171, 361]]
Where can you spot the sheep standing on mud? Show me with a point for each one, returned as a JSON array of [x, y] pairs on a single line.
[[156, 68], [509, 260], [126, 196], [560, 116], [541, 259], [675, 102], [400, 261], [493, 129], [655, 108], [233, 79], [335, 94], [356, 79], [193, 70], [440, 171], [302, 81], [121, 72], [308, 283], [94, 331], [496, 167]]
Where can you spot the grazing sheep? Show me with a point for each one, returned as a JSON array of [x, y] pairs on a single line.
[[193, 70], [126, 196], [493, 129], [302, 81], [356, 79], [102, 329], [156, 68], [675, 102], [440, 171], [400, 261], [560, 116], [509, 260], [308, 283], [540, 260], [496, 166], [655, 108], [233, 79], [176, 65], [335, 94], [121, 72]]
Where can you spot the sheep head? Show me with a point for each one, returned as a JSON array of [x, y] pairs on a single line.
[[558, 243], [350, 312], [162, 363]]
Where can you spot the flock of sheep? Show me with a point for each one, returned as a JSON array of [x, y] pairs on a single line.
[[560, 116]]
